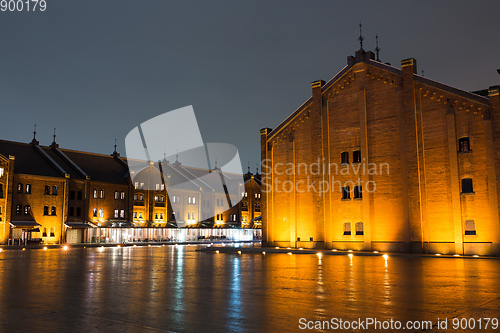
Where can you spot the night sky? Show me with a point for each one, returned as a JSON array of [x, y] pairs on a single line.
[[96, 69]]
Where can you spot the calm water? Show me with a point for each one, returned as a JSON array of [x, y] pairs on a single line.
[[180, 290]]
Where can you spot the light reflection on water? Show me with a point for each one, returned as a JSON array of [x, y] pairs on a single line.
[[177, 289]]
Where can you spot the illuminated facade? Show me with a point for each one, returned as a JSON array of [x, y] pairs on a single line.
[[380, 158], [52, 195]]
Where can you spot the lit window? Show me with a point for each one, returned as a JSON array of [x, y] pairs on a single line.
[[161, 216], [136, 185], [344, 157], [157, 187], [122, 213], [347, 228], [27, 209], [95, 194], [162, 198], [101, 212], [136, 197], [189, 216], [19, 188], [142, 185], [156, 216], [28, 188], [117, 195], [135, 215], [94, 212], [359, 228], [259, 195], [162, 187], [470, 227], [194, 200], [122, 195], [140, 215], [53, 211], [101, 194], [157, 198], [246, 194], [255, 195], [116, 213], [18, 209], [192, 215], [463, 144], [141, 197], [358, 192], [54, 190], [467, 185], [189, 200], [1, 172]]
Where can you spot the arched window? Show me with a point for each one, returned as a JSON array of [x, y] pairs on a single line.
[[347, 228], [463, 144], [346, 192], [358, 192], [344, 157], [359, 228], [356, 156], [467, 185]]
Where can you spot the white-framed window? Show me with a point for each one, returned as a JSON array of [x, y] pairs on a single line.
[[95, 193], [347, 228], [140, 215], [122, 213], [156, 216], [189, 200], [194, 200], [116, 213], [101, 194], [162, 187], [161, 216], [157, 187], [136, 185], [135, 215], [116, 195], [157, 198], [2, 170], [142, 185], [101, 212], [122, 195]]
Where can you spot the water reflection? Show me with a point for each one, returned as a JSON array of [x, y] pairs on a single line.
[[175, 288]]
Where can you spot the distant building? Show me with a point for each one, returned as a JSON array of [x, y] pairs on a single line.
[[52, 195], [380, 158]]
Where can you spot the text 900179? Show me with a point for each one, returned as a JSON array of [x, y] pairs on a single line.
[[23, 5]]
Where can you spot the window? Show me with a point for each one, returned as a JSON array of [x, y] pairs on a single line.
[[135, 215], [463, 144], [142, 185], [259, 195], [71, 211], [1, 172], [162, 187], [136, 185], [94, 212], [347, 229], [117, 195], [358, 192], [78, 211], [44, 234], [122, 213], [101, 194], [27, 210], [162, 198], [116, 213], [46, 210], [189, 216], [140, 216], [189, 200], [246, 194], [157, 198], [344, 157], [72, 195], [192, 215], [467, 185], [47, 190], [18, 209], [53, 232], [53, 211], [101, 212], [19, 188], [157, 187], [79, 195], [346, 193], [136, 197], [356, 156], [470, 227], [122, 195], [161, 216], [95, 194], [28, 188], [54, 190], [1, 191], [156, 214], [141, 197], [359, 229], [173, 216]]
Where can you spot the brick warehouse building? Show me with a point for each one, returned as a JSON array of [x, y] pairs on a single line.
[[54, 195], [380, 158]]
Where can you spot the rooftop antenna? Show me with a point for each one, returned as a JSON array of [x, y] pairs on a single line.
[[34, 133], [215, 162], [361, 38], [54, 135], [377, 49], [248, 167], [257, 169], [422, 72], [34, 141], [115, 145], [164, 153]]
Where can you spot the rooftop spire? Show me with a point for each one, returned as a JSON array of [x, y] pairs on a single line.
[[361, 38], [54, 144], [34, 141], [248, 167], [377, 49], [115, 145]]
